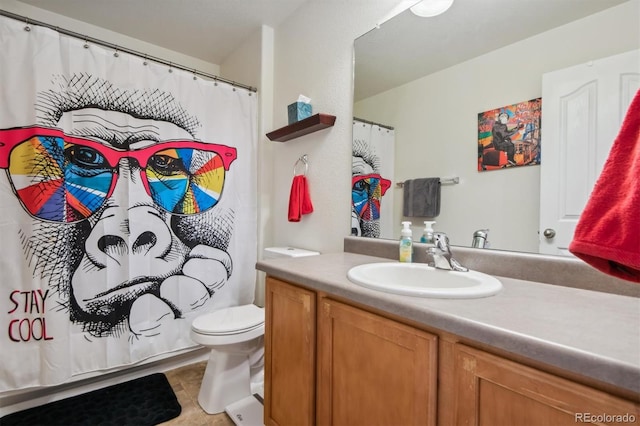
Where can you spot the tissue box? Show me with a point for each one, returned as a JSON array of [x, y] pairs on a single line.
[[298, 111]]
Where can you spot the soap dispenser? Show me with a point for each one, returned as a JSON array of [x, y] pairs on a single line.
[[427, 233], [406, 244]]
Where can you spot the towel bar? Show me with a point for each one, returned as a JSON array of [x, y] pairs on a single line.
[[444, 181]]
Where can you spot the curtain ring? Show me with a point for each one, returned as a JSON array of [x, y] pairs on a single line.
[[304, 162], [27, 27]]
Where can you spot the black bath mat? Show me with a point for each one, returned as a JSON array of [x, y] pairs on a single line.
[[145, 401]]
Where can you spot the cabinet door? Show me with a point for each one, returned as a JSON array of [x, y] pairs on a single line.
[[290, 335], [493, 391], [372, 370]]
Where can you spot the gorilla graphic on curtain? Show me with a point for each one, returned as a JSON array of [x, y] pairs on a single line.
[[128, 205]]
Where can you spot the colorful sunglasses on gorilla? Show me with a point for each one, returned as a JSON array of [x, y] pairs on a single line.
[[366, 192], [62, 178]]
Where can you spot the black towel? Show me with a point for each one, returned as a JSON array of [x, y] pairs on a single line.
[[421, 197]]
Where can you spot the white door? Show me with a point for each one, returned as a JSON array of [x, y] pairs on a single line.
[[582, 109]]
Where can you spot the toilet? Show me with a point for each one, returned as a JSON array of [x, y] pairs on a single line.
[[235, 336]]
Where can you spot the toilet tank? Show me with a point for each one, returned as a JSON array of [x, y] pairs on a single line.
[[274, 252]]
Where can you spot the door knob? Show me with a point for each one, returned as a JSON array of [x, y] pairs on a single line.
[[549, 233]]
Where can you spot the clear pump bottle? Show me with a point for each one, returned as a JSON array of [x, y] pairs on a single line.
[[427, 233]]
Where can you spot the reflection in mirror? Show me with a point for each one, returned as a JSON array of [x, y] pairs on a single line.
[[372, 167], [430, 78]]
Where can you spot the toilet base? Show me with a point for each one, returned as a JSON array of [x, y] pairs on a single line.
[[247, 412], [226, 380]]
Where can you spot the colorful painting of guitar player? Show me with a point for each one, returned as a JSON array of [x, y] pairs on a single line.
[[510, 136]]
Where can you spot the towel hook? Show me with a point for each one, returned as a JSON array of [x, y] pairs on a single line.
[[304, 160]]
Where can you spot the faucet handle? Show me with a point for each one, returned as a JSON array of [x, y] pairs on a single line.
[[441, 254], [441, 240], [456, 266]]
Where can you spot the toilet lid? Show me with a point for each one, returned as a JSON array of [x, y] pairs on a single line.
[[233, 320]]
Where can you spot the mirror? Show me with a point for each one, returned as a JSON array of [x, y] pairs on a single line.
[[430, 78]]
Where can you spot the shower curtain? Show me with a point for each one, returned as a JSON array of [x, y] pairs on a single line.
[[127, 205], [372, 175]]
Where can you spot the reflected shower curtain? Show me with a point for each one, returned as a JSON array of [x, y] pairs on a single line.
[[127, 205], [372, 175]]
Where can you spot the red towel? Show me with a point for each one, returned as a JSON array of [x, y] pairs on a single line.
[[607, 235], [299, 199]]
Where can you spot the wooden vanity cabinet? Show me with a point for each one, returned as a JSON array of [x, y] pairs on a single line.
[[491, 391], [330, 363], [369, 370], [290, 360], [373, 370]]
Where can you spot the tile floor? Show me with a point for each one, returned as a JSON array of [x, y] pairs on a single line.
[[185, 382]]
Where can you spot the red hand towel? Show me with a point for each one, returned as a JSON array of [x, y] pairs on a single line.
[[307, 206], [294, 200], [607, 235], [299, 199]]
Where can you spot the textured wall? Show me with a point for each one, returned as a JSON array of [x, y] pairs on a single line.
[[314, 57]]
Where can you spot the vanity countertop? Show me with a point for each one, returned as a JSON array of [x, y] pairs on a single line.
[[586, 332]]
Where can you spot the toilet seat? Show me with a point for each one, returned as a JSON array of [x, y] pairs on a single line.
[[227, 333], [230, 321]]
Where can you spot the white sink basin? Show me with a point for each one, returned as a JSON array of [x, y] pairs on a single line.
[[418, 279]]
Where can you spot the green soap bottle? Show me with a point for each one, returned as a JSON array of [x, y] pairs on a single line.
[[406, 244]]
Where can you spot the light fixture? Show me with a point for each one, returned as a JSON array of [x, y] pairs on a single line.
[[429, 8]]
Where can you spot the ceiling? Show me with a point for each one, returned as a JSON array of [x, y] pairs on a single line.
[[407, 47], [403, 49], [205, 29]]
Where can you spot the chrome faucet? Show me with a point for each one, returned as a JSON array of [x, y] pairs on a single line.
[[441, 254], [480, 239]]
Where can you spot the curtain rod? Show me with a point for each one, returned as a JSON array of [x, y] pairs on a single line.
[[373, 122], [118, 48]]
